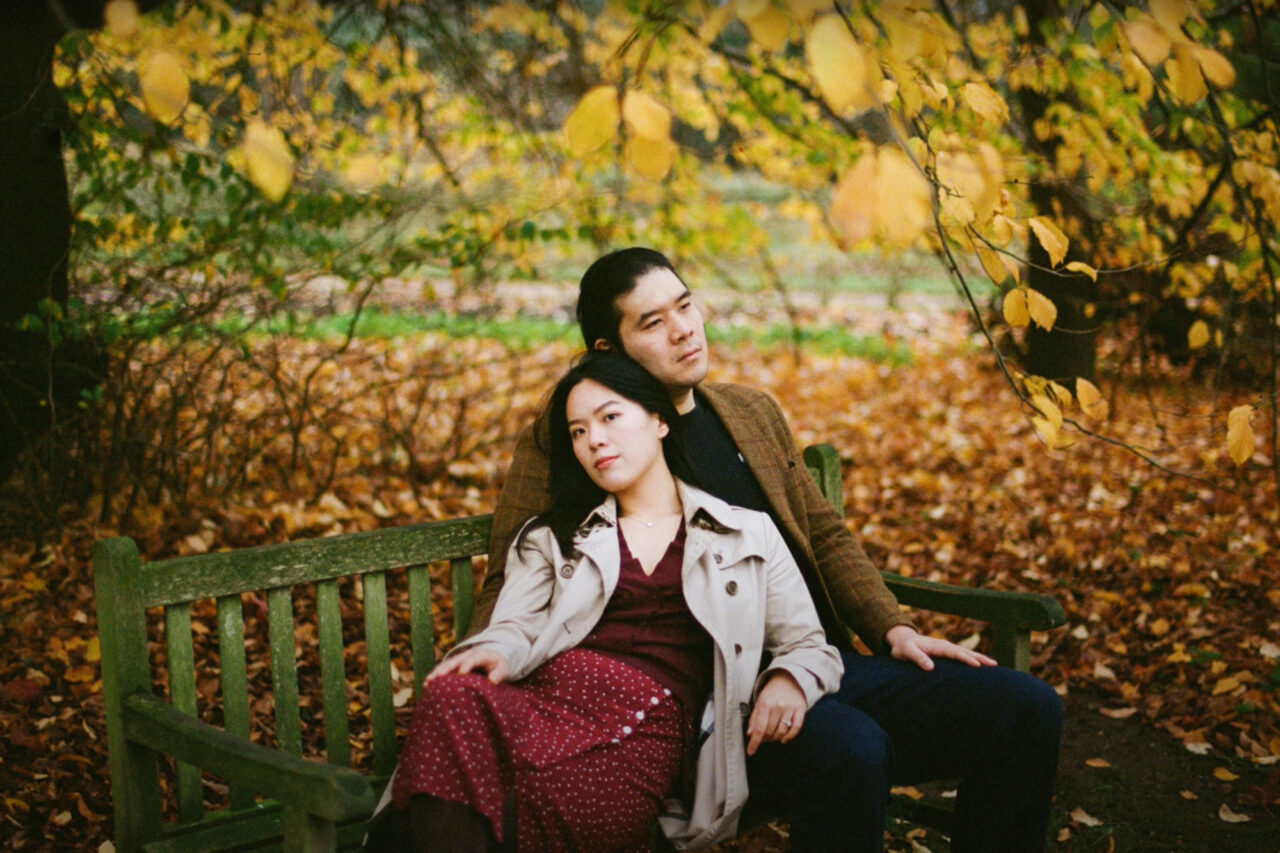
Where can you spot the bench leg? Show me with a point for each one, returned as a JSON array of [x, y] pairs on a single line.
[[1011, 646], [306, 833]]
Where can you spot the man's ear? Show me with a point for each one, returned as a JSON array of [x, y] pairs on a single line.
[[602, 345]]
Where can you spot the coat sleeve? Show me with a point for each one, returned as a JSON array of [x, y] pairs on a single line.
[[793, 633], [521, 608], [523, 495], [857, 591]]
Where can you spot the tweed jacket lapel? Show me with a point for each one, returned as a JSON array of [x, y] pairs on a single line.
[[751, 433]]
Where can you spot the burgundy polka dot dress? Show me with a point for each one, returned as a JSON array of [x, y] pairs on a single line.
[[590, 743]]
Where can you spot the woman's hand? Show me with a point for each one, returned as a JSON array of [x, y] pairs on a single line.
[[779, 712], [476, 659], [906, 644]]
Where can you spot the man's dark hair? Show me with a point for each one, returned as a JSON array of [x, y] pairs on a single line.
[[573, 493], [611, 277]]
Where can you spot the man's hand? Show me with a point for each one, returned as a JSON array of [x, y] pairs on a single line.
[[476, 659], [779, 712], [906, 644]]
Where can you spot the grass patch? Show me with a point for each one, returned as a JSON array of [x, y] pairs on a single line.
[[526, 333]]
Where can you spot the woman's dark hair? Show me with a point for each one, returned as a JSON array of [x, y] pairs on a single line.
[[609, 278], [573, 493]]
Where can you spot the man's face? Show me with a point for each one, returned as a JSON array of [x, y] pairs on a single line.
[[661, 328]]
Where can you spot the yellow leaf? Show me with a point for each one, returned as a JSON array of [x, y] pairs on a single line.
[[1185, 80], [1097, 762], [80, 674], [769, 28], [1051, 237], [1224, 775], [1014, 308], [268, 159], [1077, 266], [907, 791], [1198, 334], [1169, 14], [93, 650], [955, 209], [1229, 816], [165, 88], [1240, 434], [984, 101], [991, 264], [1225, 685], [1160, 627], [363, 172], [905, 199], [1083, 818], [1049, 434], [1148, 40], [120, 17], [1188, 795], [847, 75], [853, 202], [1042, 310], [646, 116], [748, 9], [1217, 69], [1047, 409], [1091, 402], [593, 122], [714, 23], [650, 157]]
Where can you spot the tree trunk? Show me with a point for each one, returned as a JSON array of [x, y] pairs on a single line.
[[40, 383], [1067, 351]]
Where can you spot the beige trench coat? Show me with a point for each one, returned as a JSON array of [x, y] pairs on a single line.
[[741, 584]]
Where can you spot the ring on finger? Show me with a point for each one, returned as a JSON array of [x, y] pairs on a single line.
[[786, 724]]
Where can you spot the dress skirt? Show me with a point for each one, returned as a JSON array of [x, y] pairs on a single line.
[[589, 746]]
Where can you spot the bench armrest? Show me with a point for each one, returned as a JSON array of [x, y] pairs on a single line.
[[1012, 615], [1026, 610], [324, 791]]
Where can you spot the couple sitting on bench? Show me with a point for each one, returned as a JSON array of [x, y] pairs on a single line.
[[661, 634]]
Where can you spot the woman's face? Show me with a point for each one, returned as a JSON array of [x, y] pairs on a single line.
[[616, 439]]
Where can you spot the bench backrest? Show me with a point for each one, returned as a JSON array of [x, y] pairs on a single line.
[[299, 590]]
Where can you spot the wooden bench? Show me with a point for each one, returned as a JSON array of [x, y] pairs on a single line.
[[166, 761]]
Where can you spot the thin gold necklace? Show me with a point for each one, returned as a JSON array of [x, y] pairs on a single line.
[[648, 523]]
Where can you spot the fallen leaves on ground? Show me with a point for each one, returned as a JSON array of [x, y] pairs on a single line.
[[1169, 584]]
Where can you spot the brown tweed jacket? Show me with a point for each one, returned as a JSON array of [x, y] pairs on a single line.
[[847, 590]]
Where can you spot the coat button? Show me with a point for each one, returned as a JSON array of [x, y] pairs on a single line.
[[731, 587], [737, 648], [566, 571], [716, 556], [744, 709]]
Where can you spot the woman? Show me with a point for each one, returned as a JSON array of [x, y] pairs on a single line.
[[571, 721]]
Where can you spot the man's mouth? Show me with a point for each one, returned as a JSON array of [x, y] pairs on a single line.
[[690, 355]]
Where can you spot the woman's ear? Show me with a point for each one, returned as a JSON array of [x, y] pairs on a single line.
[[663, 429]]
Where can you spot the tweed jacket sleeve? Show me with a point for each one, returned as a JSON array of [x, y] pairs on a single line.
[[842, 579], [523, 495]]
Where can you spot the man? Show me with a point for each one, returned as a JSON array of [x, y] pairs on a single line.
[[921, 708]]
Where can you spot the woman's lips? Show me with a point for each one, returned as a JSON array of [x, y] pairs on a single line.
[[604, 462]]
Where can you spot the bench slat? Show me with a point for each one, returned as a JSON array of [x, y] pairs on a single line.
[[182, 694], [378, 654], [333, 677], [290, 563], [422, 629], [284, 669], [234, 680], [462, 579]]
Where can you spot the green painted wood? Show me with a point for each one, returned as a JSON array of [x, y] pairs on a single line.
[[306, 833], [284, 669], [333, 676], [462, 577], [422, 628], [122, 637], [1024, 610], [307, 561], [332, 793], [182, 694], [824, 464], [378, 650], [234, 679]]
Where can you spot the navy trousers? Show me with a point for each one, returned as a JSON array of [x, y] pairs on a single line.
[[994, 729]]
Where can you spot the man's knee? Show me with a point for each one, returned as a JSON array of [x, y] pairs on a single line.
[[850, 747]]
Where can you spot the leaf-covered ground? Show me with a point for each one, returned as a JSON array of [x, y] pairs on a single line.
[[1169, 665]]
